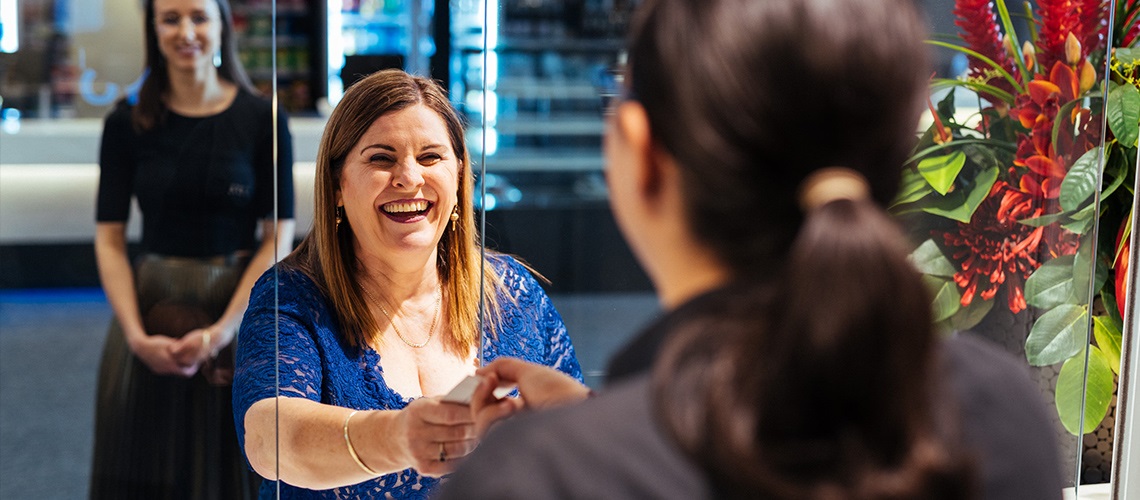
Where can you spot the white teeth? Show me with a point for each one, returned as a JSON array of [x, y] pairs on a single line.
[[395, 208]]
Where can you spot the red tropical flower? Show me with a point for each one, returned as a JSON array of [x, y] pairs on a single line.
[[994, 249], [1092, 25], [979, 27], [1131, 35], [1044, 163], [1057, 18]]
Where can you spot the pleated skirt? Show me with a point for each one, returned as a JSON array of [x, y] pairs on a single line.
[[160, 436]]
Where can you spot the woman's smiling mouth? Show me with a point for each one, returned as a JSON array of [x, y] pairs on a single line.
[[406, 211]]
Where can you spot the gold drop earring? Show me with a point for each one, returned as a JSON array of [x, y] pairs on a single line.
[[454, 216], [339, 216]]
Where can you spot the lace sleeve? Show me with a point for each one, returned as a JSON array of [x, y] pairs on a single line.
[[559, 350], [300, 365], [530, 326]]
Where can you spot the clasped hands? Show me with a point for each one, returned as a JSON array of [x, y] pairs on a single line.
[[176, 356]]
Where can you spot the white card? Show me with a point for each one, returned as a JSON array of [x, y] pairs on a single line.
[[465, 389], [462, 392]]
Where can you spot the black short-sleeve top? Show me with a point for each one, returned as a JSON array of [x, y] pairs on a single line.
[[202, 183]]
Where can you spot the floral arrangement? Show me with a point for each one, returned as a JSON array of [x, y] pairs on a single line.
[[1019, 206]]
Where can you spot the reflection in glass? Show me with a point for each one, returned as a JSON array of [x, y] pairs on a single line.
[[539, 123], [196, 150], [1011, 222], [74, 63]]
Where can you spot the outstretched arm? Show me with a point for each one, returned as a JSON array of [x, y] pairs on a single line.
[[314, 452]]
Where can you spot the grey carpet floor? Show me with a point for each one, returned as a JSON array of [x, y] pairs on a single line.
[[49, 352], [50, 343]]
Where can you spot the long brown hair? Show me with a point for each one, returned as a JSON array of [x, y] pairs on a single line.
[[814, 381], [327, 255], [150, 109]]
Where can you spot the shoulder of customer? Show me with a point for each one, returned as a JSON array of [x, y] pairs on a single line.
[[1003, 421], [606, 447]]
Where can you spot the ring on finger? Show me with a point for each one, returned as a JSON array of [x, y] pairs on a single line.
[[442, 453]]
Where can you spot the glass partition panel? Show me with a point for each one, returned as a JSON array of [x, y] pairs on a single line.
[[72, 394], [548, 69], [1126, 443], [1013, 199]]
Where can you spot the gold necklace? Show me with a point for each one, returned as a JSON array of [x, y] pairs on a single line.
[[431, 331]]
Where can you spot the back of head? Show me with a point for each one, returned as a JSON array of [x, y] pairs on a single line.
[[814, 382], [751, 96]]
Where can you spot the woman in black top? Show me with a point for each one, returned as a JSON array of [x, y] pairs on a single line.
[[748, 168], [196, 151]]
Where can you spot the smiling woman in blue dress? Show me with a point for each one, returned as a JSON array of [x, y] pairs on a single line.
[[379, 309], [197, 153]]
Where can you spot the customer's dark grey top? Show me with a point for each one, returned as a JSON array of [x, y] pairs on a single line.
[[611, 446]]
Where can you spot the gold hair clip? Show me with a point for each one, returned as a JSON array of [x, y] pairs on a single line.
[[832, 183]]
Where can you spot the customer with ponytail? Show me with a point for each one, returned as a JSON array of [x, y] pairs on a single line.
[[748, 168]]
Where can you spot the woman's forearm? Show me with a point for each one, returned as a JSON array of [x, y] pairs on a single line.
[[311, 451], [117, 278], [278, 238]]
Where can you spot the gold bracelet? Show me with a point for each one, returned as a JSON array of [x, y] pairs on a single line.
[[352, 451]]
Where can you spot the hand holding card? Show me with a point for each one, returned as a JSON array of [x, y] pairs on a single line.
[[465, 389]]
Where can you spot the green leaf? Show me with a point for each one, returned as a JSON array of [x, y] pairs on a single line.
[[1085, 213], [1082, 267], [957, 142], [1078, 226], [1127, 55], [1081, 181], [983, 157], [980, 88], [1051, 284], [1044, 220], [912, 188], [910, 208], [947, 297], [961, 207], [990, 62], [1109, 337], [1011, 33], [1101, 275], [1124, 114], [929, 259], [1096, 394], [941, 171], [945, 107], [969, 316], [1120, 173], [1108, 298], [1057, 335], [1082, 271]]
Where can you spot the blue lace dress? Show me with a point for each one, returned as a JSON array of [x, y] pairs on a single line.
[[316, 365]]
